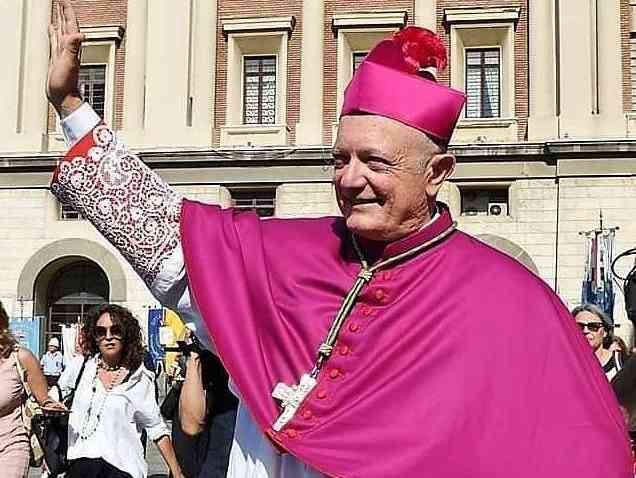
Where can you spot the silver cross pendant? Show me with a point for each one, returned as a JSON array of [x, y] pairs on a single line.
[[291, 397]]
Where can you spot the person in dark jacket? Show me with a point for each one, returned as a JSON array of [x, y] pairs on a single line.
[[203, 413]]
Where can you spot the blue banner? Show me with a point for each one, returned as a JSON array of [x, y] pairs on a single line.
[[27, 331], [155, 321]]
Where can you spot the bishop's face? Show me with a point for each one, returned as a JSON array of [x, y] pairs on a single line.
[[384, 185]]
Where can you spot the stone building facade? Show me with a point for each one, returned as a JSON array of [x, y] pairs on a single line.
[[235, 102]]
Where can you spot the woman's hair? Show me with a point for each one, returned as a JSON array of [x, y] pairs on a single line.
[[597, 311], [132, 345], [7, 340]]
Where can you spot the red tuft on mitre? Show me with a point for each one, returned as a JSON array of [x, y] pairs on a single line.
[[421, 48]]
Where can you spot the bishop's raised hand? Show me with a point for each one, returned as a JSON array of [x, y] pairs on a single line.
[[64, 62]]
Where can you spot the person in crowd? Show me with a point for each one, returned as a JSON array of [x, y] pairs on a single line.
[[361, 345], [14, 440], [52, 362], [624, 385], [598, 331], [203, 414], [114, 401]]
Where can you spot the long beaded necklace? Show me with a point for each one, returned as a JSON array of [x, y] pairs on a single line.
[[90, 421]]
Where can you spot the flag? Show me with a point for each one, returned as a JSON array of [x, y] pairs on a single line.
[[155, 321], [598, 284]]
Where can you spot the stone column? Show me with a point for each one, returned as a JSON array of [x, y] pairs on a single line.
[[202, 74], [309, 127], [542, 123], [576, 69], [23, 34], [611, 119], [167, 68], [169, 83], [35, 68], [426, 14], [135, 72]]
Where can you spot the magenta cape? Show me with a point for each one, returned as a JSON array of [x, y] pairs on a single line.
[[458, 363]]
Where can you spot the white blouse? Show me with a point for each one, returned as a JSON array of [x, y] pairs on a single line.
[[108, 424]]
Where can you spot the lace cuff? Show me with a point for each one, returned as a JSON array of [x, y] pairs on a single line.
[[124, 199]]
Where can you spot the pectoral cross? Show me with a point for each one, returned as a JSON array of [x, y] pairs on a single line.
[[291, 397]]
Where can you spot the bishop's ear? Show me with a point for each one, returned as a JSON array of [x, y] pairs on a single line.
[[439, 168]]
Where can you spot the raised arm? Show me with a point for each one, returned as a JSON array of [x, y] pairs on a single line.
[[110, 186], [64, 63]]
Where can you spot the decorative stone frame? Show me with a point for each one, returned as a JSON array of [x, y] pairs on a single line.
[[357, 32], [484, 28], [255, 37]]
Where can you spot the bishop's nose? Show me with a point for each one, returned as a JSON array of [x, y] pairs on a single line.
[[351, 176]]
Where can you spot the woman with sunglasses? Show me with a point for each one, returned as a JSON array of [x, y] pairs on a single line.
[[597, 328], [114, 401]]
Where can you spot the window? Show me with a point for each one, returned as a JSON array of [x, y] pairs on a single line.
[[356, 33], [67, 213], [482, 83], [256, 81], [358, 57], [92, 86], [261, 200], [482, 62], [484, 201], [259, 90]]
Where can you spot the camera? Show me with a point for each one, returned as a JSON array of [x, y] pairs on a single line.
[[186, 346]]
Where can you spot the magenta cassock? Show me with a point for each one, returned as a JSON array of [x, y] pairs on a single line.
[[456, 363]]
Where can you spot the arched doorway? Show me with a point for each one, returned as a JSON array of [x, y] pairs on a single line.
[[70, 287]]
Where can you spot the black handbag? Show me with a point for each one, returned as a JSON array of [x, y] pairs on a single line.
[[170, 405], [52, 432]]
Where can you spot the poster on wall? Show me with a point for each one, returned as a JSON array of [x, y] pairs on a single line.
[[27, 331]]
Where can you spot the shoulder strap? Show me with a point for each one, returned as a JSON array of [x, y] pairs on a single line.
[[71, 396], [21, 372]]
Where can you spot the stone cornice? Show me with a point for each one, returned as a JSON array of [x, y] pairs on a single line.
[[258, 24], [545, 152], [377, 18], [478, 15], [103, 33]]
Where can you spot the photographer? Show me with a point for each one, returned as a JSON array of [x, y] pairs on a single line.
[[203, 412]]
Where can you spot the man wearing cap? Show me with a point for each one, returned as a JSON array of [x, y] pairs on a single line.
[[52, 362], [377, 344]]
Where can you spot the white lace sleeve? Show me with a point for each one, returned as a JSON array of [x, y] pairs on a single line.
[[125, 200]]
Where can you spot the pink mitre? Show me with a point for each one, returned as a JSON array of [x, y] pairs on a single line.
[[397, 80]]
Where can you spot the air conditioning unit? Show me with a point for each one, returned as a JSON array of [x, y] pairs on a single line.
[[497, 209]]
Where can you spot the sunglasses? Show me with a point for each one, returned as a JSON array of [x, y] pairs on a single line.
[[102, 332], [591, 326]]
